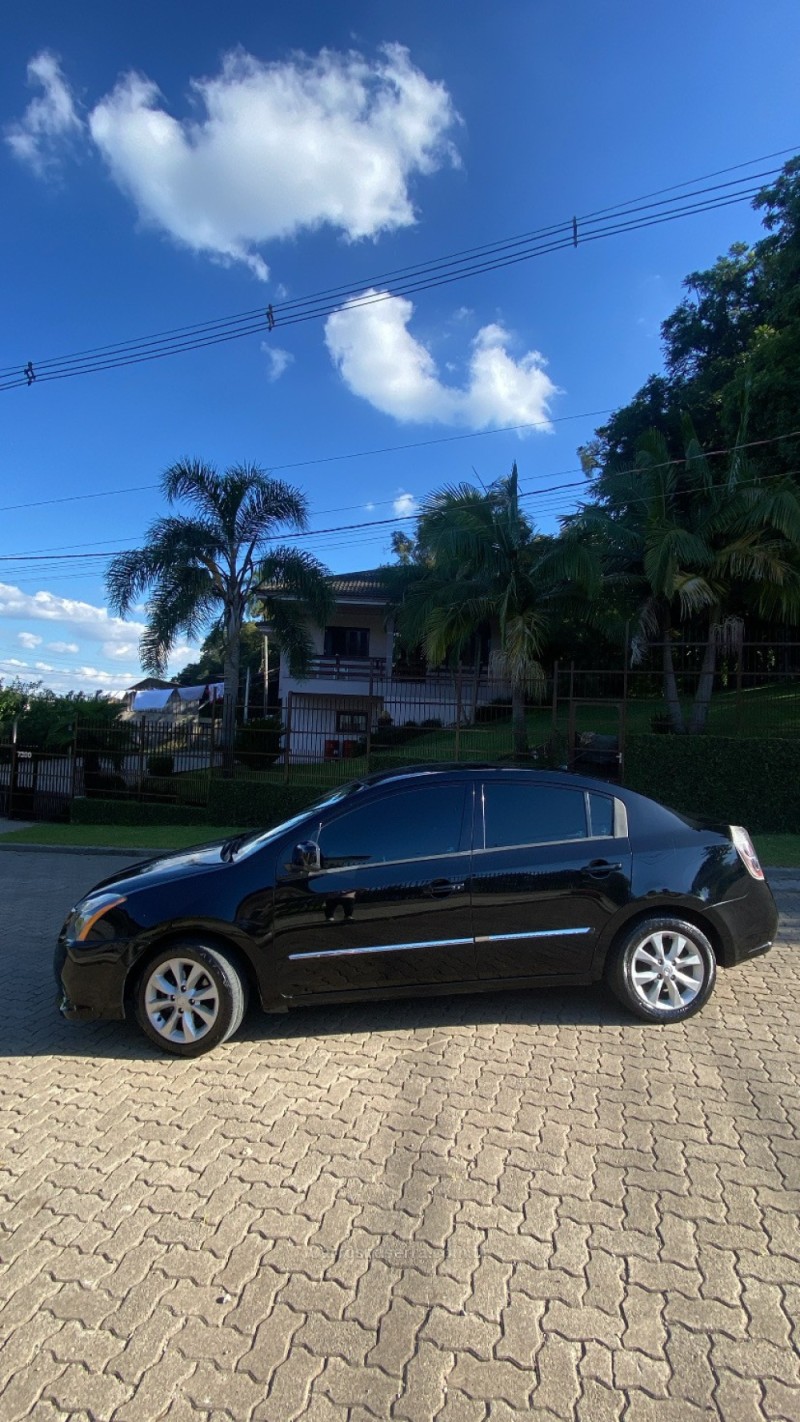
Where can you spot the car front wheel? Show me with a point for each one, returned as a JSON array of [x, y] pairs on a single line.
[[190, 998], [663, 970]]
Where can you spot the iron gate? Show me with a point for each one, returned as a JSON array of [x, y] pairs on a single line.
[[35, 784]]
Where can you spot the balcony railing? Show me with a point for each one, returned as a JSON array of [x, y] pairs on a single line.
[[348, 668], [378, 669]]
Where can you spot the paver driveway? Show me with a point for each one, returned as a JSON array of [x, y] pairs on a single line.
[[463, 1209]]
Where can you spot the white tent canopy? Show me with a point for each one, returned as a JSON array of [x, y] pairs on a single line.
[[152, 700]]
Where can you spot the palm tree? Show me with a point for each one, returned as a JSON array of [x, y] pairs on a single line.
[[688, 543], [482, 563], [215, 564]]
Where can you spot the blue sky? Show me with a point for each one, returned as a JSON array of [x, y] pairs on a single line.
[[164, 164]]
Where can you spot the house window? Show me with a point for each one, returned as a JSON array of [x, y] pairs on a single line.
[[352, 721], [347, 642]]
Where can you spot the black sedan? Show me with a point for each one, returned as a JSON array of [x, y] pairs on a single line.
[[453, 879]]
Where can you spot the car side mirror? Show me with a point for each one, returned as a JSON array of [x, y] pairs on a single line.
[[306, 855]]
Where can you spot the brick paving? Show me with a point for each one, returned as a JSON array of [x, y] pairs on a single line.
[[468, 1209]]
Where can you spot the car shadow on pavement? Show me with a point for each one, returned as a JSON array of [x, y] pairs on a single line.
[[39, 1030]]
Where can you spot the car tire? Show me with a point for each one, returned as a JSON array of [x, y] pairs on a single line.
[[663, 970], [189, 998]]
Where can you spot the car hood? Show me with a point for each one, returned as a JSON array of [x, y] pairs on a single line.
[[179, 864]]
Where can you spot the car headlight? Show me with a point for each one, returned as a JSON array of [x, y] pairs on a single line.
[[87, 913]]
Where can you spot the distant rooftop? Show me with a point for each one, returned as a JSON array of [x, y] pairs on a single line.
[[369, 584]]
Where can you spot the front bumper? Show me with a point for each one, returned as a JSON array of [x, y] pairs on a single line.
[[91, 988]]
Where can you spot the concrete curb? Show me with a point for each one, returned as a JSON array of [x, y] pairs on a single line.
[[83, 849]]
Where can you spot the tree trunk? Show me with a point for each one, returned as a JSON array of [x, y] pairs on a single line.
[[231, 674], [519, 726], [705, 685], [671, 697]]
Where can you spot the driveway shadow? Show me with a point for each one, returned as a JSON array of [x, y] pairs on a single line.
[[35, 1029]]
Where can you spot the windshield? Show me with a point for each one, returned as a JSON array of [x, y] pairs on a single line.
[[251, 841]]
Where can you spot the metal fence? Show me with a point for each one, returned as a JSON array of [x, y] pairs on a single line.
[[580, 717]]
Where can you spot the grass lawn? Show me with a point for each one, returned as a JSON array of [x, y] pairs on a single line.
[[779, 851], [120, 836]]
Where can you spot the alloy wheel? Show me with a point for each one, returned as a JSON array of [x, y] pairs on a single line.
[[667, 971], [181, 1000]]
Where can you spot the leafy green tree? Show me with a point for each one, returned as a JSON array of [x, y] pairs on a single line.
[[736, 328], [482, 564], [697, 541], [216, 564]]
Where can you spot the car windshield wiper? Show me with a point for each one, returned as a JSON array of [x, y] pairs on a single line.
[[230, 846]]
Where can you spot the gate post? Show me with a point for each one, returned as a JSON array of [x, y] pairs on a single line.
[[288, 734]]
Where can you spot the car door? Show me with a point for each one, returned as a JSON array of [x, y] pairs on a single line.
[[551, 866], [389, 905]]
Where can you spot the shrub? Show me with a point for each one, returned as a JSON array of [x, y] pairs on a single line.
[[497, 710], [102, 783], [431, 723], [258, 744], [735, 780], [254, 804], [134, 812], [160, 764]]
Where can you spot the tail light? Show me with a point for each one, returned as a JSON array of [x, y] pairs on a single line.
[[746, 850]]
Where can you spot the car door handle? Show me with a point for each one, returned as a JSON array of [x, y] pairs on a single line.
[[599, 868], [441, 888]]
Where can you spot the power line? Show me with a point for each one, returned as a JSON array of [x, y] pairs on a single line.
[[631, 215], [199, 327], [329, 459], [88, 561], [158, 350]]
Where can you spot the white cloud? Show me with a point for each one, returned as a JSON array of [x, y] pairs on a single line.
[[84, 618], [277, 361], [331, 140], [405, 504], [44, 666], [29, 640], [380, 360], [49, 120], [62, 647]]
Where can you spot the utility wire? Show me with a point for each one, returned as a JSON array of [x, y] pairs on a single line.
[[324, 309], [89, 560], [329, 459], [432, 263], [441, 271]]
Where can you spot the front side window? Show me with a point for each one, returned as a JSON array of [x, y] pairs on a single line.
[[517, 813], [412, 824]]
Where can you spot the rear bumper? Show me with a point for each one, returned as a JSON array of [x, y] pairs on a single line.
[[748, 925]]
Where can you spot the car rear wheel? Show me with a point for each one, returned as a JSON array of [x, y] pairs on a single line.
[[190, 998], [663, 970]]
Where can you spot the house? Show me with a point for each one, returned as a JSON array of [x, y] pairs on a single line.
[[358, 681]]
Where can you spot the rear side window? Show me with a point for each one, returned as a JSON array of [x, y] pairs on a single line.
[[516, 813], [601, 813], [412, 824]]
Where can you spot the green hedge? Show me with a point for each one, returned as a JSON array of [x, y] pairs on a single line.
[[743, 781], [135, 812], [250, 804]]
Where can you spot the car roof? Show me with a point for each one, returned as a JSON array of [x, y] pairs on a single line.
[[461, 770]]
